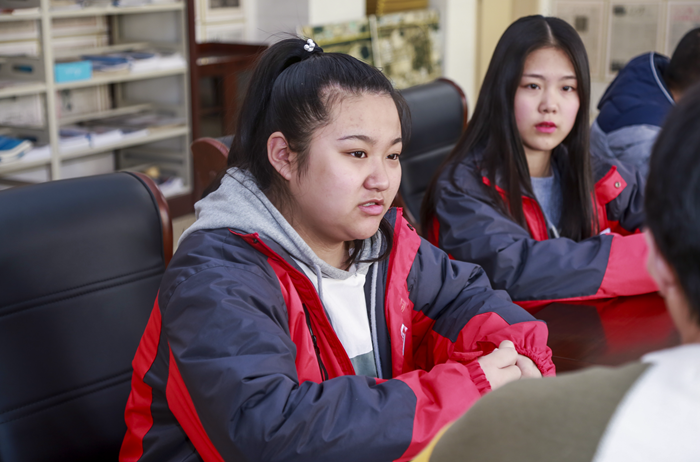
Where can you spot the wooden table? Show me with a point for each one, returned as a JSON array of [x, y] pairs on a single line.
[[607, 332]]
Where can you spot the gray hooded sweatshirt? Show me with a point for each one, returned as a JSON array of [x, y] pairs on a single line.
[[240, 205]]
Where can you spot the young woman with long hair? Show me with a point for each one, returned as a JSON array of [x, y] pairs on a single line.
[[302, 319], [520, 194]]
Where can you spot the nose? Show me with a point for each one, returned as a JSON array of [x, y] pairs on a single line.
[[378, 178], [549, 103]]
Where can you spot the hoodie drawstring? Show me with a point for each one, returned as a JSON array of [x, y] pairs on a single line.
[[373, 319]]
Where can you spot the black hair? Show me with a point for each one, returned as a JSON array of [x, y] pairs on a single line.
[[684, 69], [493, 130], [292, 90], [672, 197]]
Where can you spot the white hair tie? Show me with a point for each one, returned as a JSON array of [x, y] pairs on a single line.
[[309, 46]]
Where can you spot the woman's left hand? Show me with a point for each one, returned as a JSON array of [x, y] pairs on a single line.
[[527, 368]]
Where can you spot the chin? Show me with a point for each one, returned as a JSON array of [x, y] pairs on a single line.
[[365, 232]]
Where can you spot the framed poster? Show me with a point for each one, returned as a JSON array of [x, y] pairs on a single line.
[[351, 37], [681, 18], [406, 46], [587, 19], [633, 30]]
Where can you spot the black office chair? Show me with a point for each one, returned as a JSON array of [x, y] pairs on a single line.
[[80, 265], [438, 117]]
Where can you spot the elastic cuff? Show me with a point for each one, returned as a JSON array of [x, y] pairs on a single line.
[[478, 377], [543, 361]]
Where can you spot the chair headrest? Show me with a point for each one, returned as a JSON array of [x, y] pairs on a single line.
[[437, 116]]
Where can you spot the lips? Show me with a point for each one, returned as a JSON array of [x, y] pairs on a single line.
[[373, 207], [546, 127]]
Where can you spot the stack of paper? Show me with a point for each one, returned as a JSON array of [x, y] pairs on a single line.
[[104, 135], [108, 63], [73, 138], [136, 61]]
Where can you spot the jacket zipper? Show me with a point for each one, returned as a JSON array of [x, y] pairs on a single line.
[[322, 368]]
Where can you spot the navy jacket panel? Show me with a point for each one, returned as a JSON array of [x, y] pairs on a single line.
[[453, 311], [637, 96], [231, 370], [471, 227]]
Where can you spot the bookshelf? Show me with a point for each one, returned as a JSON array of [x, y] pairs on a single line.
[[154, 26]]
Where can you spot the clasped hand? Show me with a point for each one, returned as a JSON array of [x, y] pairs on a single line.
[[505, 365]]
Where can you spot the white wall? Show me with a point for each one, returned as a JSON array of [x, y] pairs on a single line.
[[458, 22]]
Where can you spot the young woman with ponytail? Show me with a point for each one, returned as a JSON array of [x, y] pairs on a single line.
[[302, 319]]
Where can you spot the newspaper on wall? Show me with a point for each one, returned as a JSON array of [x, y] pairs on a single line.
[[587, 19], [351, 37], [682, 17], [634, 29], [406, 47]]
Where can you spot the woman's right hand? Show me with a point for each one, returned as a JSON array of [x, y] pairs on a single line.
[[500, 366]]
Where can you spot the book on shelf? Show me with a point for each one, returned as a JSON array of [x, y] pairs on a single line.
[[108, 63], [168, 182], [12, 149], [132, 133], [73, 138], [136, 61], [155, 121], [57, 5], [104, 135], [141, 123], [37, 153]]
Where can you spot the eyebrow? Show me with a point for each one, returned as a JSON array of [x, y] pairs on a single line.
[[539, 76], [367, 139]]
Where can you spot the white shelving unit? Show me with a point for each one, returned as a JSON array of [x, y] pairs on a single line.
[[159, 26]]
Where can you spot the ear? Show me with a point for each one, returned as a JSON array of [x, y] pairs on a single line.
[[280, 156], [658, 268]]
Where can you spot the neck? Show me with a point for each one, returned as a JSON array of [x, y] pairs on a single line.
[[539, 163], [333, 253], [680, 310], [675, 94]]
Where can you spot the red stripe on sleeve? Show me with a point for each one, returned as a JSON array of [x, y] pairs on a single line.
[[138, 408], [181, 405]]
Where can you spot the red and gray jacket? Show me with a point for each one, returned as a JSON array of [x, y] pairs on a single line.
[[240, 362], [532, 267]]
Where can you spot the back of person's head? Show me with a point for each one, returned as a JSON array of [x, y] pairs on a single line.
[[672, 197], [292, 91], [684, 69], [494, 130]]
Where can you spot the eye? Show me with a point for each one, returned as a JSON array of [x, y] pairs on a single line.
[[568, 88], [393, 157], [532, 86], [358, 154]]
